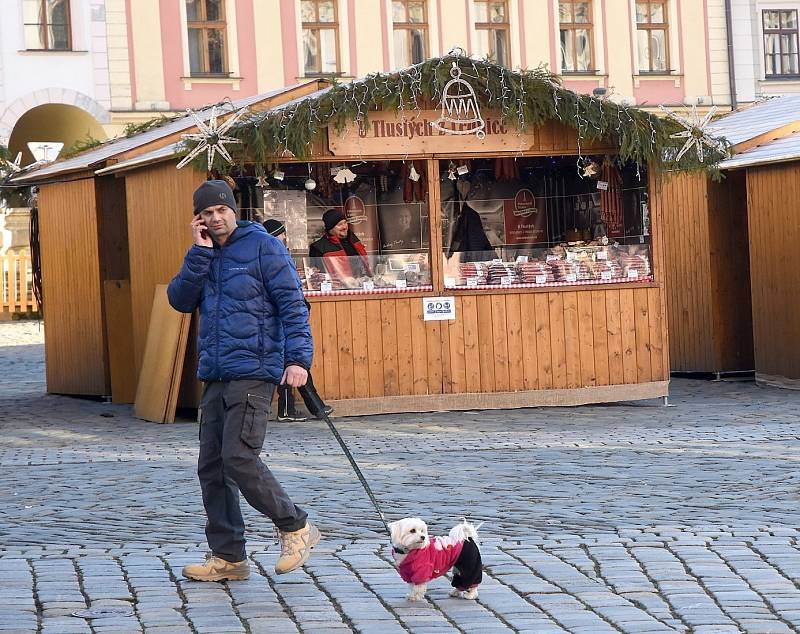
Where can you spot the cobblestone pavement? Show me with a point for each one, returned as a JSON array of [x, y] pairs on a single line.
[[619, 518]]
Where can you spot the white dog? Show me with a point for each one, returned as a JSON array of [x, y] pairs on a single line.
[[421, 558]]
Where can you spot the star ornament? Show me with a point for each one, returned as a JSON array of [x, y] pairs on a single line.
[[9, 167], [694, 132], [211, 137]]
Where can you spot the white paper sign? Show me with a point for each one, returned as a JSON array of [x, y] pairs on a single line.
[[368, 285], [602, 255], [506, 280], [472, 282], [449, 282], [400, 283], [571, 256], [550, 258], [522, 258], [411, 266], [633, 273], [602, 185], [605, 275], [572, 277], [462, 169], [541, 279], [438, 308], [326, 287]]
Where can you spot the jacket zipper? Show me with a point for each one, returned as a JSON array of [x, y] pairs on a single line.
[[219, 295]]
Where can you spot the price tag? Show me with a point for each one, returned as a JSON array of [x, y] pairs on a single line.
[[522, 258], [571, 256], [449, 282], [506, 280], [472, 282], [541, 279], [602, 185], [602, 255], [633, 273], [411, 267], [326, 287], [462, 169], [605, 275], [550, 258], [497, 261], [572, 277], [400, 283], [368, 285]]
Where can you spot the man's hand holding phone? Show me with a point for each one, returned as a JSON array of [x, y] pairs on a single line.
[[200, 234]]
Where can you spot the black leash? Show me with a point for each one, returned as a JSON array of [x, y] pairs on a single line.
[[323, 414]]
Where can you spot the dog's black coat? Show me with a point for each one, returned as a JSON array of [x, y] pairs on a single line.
[[468, 569]]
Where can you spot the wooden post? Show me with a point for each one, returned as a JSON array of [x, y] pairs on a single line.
[[435, 224]]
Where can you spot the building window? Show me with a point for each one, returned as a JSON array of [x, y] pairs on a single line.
[[491, 26], [652, 36], [575, 24], [206, 23], [46, 24], [410, 23], [780, 43], [320, 37]]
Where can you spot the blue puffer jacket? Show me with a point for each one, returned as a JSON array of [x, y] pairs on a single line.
[[253, 317]]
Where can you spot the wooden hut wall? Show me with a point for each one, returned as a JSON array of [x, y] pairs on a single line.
[[73, 296], [159, 212], [773, 202], [708, 306]]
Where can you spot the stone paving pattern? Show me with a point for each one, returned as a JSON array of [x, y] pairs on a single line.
[[620, 518]]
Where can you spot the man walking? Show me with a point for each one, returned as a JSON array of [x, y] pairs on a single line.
[[253, 335]]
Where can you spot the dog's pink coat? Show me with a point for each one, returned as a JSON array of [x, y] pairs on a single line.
[[436, 559]]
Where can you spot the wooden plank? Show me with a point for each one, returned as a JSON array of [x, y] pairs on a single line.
[[472, 358], [530, 363], [419, 351], [330, 350], [317, 367], [344, 341], [544, 359], [500, 343], [586, 339], [572, 350], [375, 348], [435, 225], [558, 344], [358, 319], [391, 385], [643, 362], [458, 367], [120, 344], [444, 346], [162, 364], [435, 365], [628, 319], [484, 334], [600, 338], [405, 367], [656, 335], [614, 332], [516, 371]]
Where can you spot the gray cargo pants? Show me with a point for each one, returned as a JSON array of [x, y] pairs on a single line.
[[233, 424]]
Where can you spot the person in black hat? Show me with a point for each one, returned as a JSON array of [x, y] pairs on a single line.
[[312, 399], [254, 334], [340, 251]]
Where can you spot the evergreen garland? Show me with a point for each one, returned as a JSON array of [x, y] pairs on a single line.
[[525, 99]]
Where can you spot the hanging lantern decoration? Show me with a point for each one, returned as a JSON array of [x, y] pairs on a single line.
[[310, 183], [461, 113]]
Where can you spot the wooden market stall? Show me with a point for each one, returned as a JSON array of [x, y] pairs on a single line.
[[716, 250], [567, 305], [86, 268]]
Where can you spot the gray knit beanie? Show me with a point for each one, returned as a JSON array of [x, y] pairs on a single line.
[[213, 193]]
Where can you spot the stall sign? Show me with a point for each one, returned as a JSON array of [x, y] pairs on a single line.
[[439, 308], [362, 216], [413, 132], [525, 221]]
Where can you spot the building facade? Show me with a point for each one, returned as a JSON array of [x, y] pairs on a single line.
[[72, 68], [765, 43]]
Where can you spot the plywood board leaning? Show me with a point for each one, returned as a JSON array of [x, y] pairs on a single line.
[[162, 364]]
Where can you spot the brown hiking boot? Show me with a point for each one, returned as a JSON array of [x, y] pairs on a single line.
[[296, 547], [216, 569]]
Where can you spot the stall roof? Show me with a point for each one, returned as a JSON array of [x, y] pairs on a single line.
[[115, 147], [777, 151], [745, 125], [171, 150]]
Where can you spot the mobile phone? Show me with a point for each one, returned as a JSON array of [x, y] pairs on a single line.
[[204, 229]]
